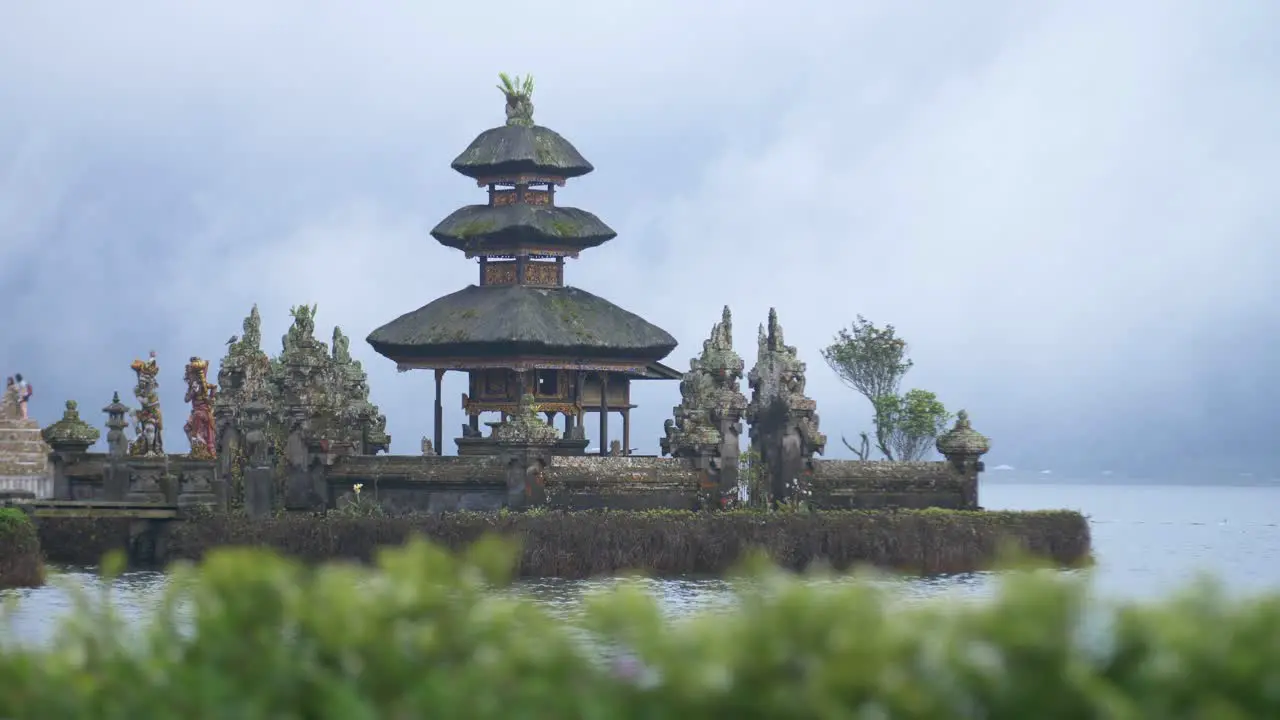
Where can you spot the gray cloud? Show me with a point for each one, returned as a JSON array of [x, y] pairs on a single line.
[[1064, 209]]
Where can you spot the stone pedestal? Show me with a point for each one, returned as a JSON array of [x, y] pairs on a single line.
[[24, 457]]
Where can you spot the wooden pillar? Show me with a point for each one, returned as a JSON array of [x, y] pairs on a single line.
[[604, 413], [439, 435], [626, 431]]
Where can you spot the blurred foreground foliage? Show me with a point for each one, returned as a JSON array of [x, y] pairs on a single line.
[[424, 633]]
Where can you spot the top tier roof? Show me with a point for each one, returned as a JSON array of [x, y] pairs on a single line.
[[520, 147]]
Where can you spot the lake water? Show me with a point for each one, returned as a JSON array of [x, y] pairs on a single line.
[[1148, 540]]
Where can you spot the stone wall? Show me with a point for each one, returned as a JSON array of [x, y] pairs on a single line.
[[622, 483], [420, 483], [415, 483], [856, 484], [166, 480]]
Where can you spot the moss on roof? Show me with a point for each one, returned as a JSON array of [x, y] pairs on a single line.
[[508, 226], [513, 149], [510, 320]]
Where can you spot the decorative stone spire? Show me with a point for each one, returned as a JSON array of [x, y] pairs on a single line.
[[784, 421], [779, 377], [519, 94], [711, 401], [70, 434], [962, 445]]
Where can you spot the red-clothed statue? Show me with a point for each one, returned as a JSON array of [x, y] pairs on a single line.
[[200, 428]]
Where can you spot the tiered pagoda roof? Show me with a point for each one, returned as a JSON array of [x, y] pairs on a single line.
[[521, 308]]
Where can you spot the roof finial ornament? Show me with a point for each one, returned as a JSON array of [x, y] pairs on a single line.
[[519, 92]]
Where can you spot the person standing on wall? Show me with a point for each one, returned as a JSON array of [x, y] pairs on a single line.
[[24, 393]]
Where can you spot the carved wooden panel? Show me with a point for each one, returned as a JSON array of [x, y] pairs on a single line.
[[500, 273], [496, 385], [619, 392], [509, 197], [525, 179], [544, 274]]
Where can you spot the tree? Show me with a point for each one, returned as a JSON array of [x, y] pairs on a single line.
[[873, 361], [914, 421], [869, 359]]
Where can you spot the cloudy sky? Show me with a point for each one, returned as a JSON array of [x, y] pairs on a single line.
[[1066, 208]]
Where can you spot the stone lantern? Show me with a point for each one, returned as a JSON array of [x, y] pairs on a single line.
[[964, 447], [117, 443]]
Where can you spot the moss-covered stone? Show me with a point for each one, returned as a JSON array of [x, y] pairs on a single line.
[[21, 561]]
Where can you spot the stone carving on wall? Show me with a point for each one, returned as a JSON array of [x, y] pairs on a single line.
[[708, 419], [784, 421], [199, 428], [525, 426], [253, 422], [148, 420]]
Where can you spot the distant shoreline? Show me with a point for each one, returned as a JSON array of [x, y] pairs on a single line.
[[1006, 479]]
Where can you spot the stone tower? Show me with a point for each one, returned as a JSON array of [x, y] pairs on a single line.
[[521, 329]]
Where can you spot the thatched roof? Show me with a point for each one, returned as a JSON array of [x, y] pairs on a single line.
[[513, 320], [483, 227], [516, 149]]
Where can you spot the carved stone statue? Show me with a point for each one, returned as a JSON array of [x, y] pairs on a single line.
[[519, 94], [200, 426], [784, 422], [148, 420], [525, 426], [428, 449]]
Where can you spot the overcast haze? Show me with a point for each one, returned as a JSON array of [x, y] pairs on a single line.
[[1067, 208]]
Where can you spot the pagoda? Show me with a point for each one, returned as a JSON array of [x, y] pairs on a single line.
[[521, 329]]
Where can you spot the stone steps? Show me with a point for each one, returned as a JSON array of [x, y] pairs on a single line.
[[20, 435], [23, 452]]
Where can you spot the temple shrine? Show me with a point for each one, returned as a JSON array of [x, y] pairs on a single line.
[[521, 330]]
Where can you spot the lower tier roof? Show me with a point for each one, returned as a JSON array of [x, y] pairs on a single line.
[[509, 321]]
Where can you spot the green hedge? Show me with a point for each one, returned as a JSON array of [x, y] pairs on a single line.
[[21, 563], [423, 635]]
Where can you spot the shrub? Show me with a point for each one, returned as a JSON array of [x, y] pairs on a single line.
[[21, 563], [669, 543], [252, 635]]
